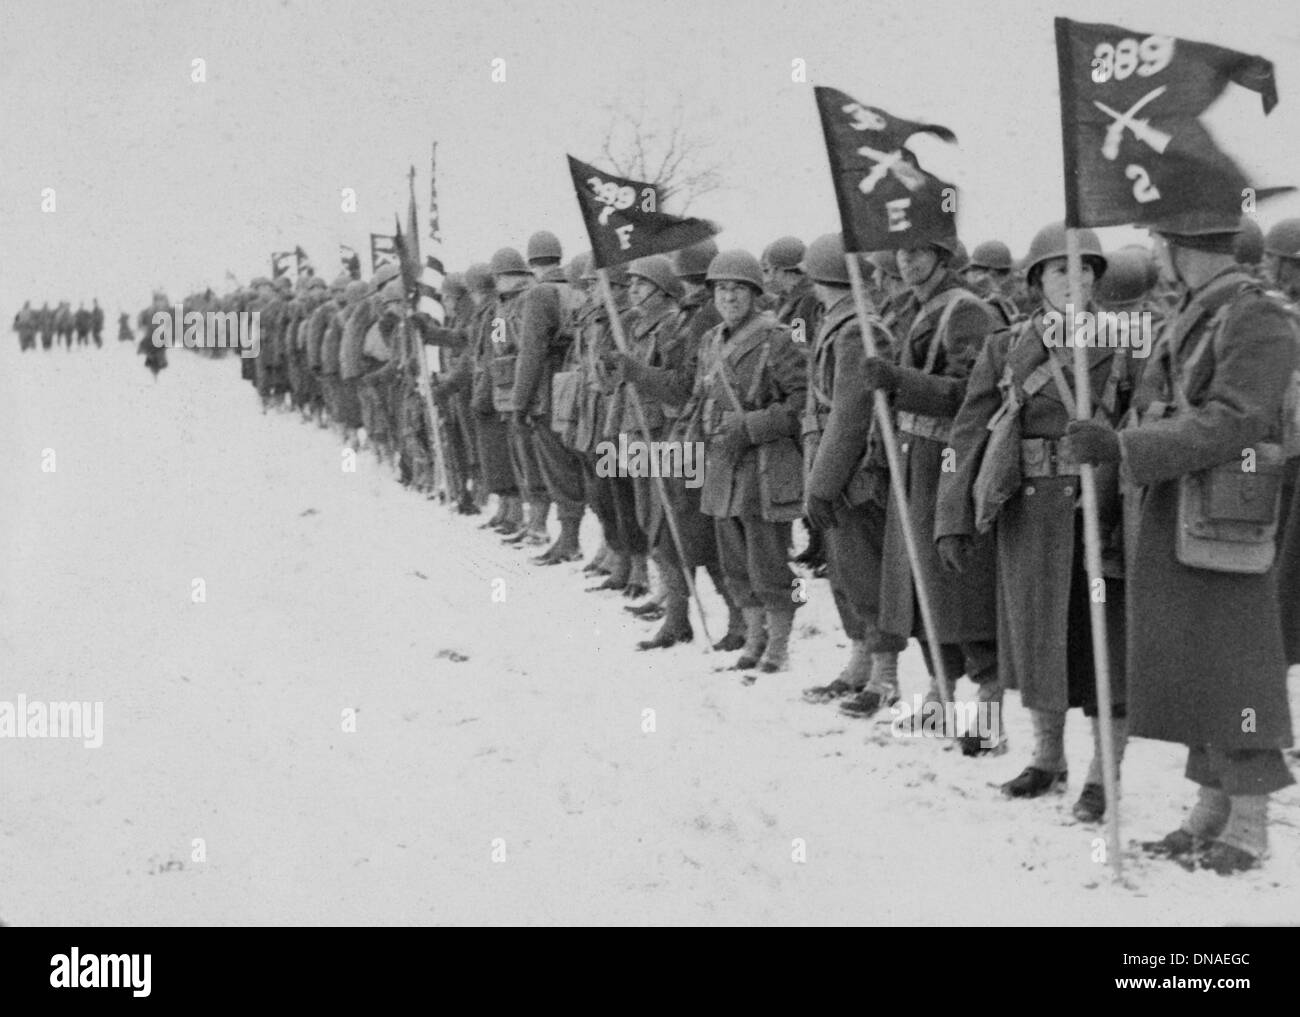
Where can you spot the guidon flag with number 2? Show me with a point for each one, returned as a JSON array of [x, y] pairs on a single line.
[[1135, 148], [623, 218]]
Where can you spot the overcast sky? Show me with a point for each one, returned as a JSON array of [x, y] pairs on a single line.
[[161, 181]]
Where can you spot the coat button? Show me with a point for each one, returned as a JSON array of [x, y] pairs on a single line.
[[903, 447], [1029, 489], [1069, 489]]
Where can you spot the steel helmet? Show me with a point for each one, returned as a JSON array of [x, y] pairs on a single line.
[[1283, 239], [340, 282], [823, 262], [478, 277], [787, 252], [508, 261], [544, 244], [657, 269], [992, 254], [1128, 276], [577, 270], [261, 280], [356, 290], [386, 273], [454, 283], [952, 246], [316, 282], [1049, 243], [736, 266], [695, 260], [1249, 245]]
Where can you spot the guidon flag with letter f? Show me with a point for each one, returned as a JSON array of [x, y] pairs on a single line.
[[623, 218], [1135, 148], [886, 200]]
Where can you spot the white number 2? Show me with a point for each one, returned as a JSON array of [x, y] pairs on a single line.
[[1143, 189]]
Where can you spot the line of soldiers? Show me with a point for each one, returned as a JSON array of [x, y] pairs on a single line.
[[59, 324], [763, 363]]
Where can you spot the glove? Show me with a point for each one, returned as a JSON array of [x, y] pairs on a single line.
[[1091, 442], [731, 437], [953, 552], [820, 512], [880, 374]]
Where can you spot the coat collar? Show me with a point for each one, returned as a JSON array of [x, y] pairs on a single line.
[[749, 336]]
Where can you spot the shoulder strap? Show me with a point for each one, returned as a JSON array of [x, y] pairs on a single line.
[[959, 296]]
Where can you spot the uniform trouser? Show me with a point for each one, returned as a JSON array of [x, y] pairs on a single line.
[[453, 440], [493, 439], [631, 538], [1238, 771], [977, 659], [754, 558], [599, 494], [854, 552], [561, 471], [523, 459]]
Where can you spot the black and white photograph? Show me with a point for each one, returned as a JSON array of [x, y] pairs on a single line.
[[780, 463]]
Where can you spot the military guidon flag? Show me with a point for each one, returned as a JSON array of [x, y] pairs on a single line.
[[280, 263], [350, 260], [886, 200], [383, 251], [305, 269], [429, 284], [623, 218], [1135, 148]]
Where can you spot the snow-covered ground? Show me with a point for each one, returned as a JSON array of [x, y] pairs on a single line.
[[503, 766]]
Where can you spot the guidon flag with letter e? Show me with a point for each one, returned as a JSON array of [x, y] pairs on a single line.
[[886, 199], [280, 263], [1135, 148], [623, 218]]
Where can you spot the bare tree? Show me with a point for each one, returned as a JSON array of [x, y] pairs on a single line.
[[662, 153]]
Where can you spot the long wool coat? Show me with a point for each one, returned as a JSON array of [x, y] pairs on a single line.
[[1205, 647]]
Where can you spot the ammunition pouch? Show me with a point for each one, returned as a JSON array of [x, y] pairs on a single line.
[[1227, 515]]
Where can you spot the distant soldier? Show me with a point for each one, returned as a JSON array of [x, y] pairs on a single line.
[[318, 325], [82, 321], [512, 278], [1206, 659], [124, 333], [63, 323], [451, 392], [45, 320], [845, 494], [25, 325], [941, 328], [341, 359], [155, 357], [989, 276], [97, 324], [784, 278], [544, 338], [749, 391]]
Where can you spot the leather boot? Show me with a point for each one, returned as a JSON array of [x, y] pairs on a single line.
[[755, 638], [638, 580], [735, 637], [1091, 806], [1244, 840], [853, 678], [777, 655], [619, 567], [596, 567], [881, 690], [989, 737], [565, 548], [1047, 772], [537, 534], [676, 627], [496, 518]]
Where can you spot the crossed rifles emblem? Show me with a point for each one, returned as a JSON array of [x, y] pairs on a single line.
[[1154, 138]]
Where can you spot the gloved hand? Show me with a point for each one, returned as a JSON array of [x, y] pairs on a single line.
[[820, 512], [1091, 442], [880, 373], [953, 551], [731, 437]]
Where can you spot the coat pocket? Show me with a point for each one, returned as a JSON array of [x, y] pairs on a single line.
[[780, 479]]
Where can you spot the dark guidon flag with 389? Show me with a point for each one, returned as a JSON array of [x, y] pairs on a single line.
[[1135, 148], [886, 200], [623, 218]]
